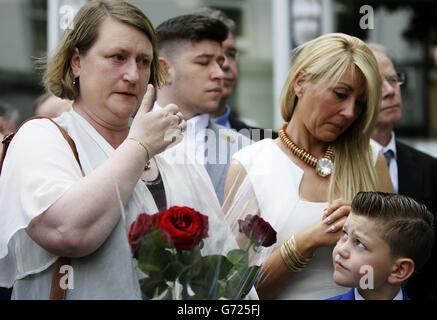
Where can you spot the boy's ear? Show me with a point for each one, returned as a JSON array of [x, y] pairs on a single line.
[[299, 83], [403, 268], [168, 69]]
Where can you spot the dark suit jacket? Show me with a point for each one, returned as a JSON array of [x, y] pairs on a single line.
[[253, 133], [417, 177], [5, 293], [350, 295]]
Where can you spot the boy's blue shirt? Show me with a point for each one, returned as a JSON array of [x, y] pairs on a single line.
[[350, 295]]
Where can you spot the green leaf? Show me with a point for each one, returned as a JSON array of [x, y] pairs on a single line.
[[188, 257], [153, 260], [173, 270], [204, 275], [153, 286], [147, 267], [239, 258], [221, 265], [159, 241], [154, 253], [240, 281]]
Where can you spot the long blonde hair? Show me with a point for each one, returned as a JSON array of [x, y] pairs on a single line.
[[325, 60], [58, 76]]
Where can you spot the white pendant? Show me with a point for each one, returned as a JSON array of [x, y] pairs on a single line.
[[324, 167]]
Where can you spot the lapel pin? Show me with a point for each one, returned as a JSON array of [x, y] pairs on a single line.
[[228, 137]]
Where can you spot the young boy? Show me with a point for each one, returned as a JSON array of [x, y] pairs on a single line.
[[386, 237]]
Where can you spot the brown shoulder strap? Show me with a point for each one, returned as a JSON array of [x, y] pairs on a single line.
[[69, 140], [56, 291], [8, 139]]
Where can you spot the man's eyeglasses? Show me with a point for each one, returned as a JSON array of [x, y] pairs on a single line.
[[396, 80]]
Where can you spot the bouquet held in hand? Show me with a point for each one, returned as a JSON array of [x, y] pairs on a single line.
[[169, 249]]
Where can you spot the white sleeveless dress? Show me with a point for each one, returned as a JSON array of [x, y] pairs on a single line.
[[275, 180]]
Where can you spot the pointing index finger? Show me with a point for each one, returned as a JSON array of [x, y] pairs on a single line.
[[147, 102]]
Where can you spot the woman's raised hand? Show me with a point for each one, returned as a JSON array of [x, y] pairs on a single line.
[[336, 212], [333, 220], [158, 129], [327, 231]]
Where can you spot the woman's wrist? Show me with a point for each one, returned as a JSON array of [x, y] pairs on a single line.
[[305, 244], [292, 257], [146, 149], [135, 152]]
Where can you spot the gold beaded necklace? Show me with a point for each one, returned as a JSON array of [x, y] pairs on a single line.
[[324, 166]]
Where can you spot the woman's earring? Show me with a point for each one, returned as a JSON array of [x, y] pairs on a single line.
[[74, 81]]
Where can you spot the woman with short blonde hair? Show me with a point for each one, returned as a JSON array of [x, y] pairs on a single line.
[[83, 33], [77, 197]]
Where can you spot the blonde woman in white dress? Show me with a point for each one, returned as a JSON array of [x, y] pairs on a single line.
[[329, 105]]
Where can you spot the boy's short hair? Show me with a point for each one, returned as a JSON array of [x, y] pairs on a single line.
[[406, 225], [192, 28]]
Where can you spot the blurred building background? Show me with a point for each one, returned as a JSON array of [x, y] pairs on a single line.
[[267, 31]]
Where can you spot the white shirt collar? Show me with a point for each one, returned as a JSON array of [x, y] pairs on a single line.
[[197, 123], [391, 145], [398, 296]]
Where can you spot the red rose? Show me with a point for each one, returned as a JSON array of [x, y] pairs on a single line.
[[183, 227], [139, 228], [258, 230]]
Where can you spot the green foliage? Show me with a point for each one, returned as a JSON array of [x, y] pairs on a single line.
[[184, 274]]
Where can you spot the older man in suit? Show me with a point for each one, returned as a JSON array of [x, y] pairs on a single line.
[[413, 173], [190, 51]]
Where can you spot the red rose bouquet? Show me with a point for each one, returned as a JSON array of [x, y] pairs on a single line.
[[169, 245]]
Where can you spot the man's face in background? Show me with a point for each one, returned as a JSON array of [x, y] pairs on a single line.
[[390, 111], [230, 66]]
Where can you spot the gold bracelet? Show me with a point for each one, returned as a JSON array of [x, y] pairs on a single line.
[[144, 147], [288, 261], [299, 256], [292, 257]]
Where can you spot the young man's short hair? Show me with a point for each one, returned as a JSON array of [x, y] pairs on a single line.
[[406, 225], [192, 27]]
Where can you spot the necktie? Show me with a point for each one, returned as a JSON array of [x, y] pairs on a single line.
[[388, 155]]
